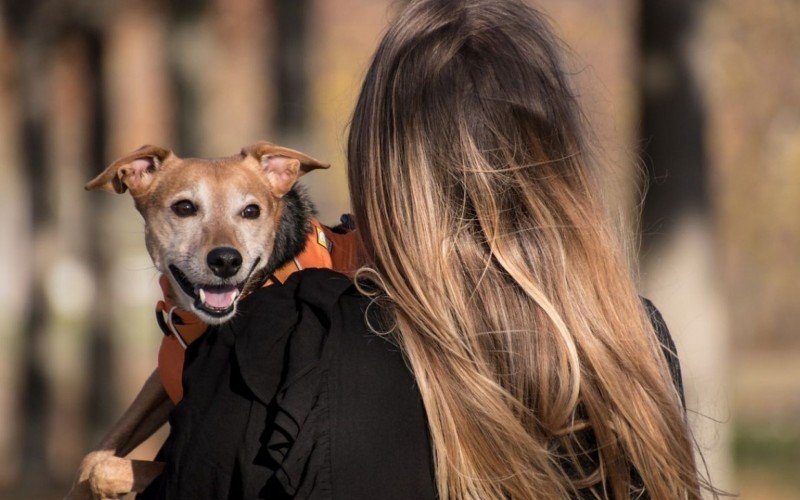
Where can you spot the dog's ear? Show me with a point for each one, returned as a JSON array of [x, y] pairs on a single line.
[[133, 171], [282, 166]]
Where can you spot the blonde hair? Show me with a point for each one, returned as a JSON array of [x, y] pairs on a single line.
[[509, 293]]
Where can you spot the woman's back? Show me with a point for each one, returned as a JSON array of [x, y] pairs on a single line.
[[297, 397]]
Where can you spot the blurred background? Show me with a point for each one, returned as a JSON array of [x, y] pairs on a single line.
[[704, 95]]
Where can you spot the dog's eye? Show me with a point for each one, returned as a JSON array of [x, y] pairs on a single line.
[[184, 208], [251, 212]]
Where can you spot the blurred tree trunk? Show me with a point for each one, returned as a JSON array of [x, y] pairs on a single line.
[[45, 166], [340, 38], [100, 402], [673, 118], [236, 92], [291, 67], [69, 290], [34, 391], [186, 18], [13, 248], [680, 271]]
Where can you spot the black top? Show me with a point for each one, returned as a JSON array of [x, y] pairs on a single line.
[[295, 397]]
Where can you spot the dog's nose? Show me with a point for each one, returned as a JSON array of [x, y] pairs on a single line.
[[224, 261]]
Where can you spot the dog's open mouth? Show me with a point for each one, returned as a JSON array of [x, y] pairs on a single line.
[[215, 300]]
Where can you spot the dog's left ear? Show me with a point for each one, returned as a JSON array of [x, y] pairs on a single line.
[[133, 171], [282, 166]]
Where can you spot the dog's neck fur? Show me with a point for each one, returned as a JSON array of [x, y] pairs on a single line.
[[293, 229]]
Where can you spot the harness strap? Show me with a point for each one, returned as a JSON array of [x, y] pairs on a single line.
[[167, 321]]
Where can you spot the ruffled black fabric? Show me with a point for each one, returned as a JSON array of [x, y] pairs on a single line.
[[267, 395], [295, 442]]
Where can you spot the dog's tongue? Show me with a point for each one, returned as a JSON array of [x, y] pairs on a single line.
[[219, 297]]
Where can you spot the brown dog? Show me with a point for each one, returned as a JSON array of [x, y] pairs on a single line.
[[215, 228]]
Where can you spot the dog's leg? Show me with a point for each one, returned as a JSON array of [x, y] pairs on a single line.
[[150, 419], [147, 413]]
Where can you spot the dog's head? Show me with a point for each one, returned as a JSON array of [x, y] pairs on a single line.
[[210, 224]]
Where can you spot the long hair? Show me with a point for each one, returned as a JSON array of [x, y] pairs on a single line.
[[508, 290]]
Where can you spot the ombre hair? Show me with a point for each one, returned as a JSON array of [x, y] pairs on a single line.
[[507, 287]]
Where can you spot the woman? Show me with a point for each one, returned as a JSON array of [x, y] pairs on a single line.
[[494, 346]]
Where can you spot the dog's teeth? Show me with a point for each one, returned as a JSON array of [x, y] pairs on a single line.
[[202, 296]]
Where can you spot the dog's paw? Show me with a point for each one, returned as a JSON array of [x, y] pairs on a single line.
[[111, 478], [81, 490]]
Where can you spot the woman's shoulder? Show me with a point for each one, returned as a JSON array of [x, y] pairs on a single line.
[[667, 345], [314, 310], [374, 418], [366, 363], [342, 307], [379, 433], [381, 446]]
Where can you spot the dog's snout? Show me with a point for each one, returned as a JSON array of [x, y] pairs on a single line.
[[224, 261]]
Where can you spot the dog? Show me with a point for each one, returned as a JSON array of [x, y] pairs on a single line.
[[216, 229]]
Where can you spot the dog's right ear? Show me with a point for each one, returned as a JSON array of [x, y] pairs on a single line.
[[134, 171], [282, 166]]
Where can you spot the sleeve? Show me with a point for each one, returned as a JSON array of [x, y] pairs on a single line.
[[667, 346]]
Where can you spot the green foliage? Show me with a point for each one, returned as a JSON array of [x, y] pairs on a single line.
[[772, 449]]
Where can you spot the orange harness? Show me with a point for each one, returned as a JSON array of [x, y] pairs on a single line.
[[324, 248]]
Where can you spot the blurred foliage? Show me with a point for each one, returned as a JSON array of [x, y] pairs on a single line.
[[774, 449]]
